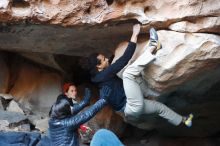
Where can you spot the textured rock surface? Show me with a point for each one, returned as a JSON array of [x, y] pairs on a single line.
[[206, 24], [46, 59], [34, 86], [4, 75], [1, 106], [155, 140], [54, 11], [12, 120], [188, 57], [185, 75], [6, 96], [97, 11], [14, 107], [42, 125], [185, 70]]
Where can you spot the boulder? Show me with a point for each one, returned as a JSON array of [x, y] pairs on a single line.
[[4, 74], [191, 59], [1, 106], [204, 24], [42, 125], [185, 75], [12, 121], [6, 96], [35, 87], [4, 4], [3, 101], [14, 107]]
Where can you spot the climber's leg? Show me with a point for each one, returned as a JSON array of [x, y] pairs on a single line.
[[151, 106], [131, 81]]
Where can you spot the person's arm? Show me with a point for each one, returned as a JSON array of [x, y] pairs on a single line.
[[85, 116], [136, 31], [119, 64], [79, 106]]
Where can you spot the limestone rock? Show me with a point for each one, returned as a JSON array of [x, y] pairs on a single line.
[[187, 58], [4, 102], [36, 87], [152, 11], [11, 120], [4, 4], [205, 24], [14, 107], [4, 74], [186, 68], [56, 11], [6, 96], [42, 124], [24, 127], [1, 106], [92, 12], [34, 118], [39, 122], [46, 59]]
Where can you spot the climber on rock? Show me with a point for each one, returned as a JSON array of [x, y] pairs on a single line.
[[128, 93]]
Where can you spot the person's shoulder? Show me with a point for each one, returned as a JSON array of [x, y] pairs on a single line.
[[61, 96]]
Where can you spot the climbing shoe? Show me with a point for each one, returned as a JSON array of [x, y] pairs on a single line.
[[154, 41], [153, 34], [188, 120]]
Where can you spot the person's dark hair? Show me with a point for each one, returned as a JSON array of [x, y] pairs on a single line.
[[60, 109], [89, 63]]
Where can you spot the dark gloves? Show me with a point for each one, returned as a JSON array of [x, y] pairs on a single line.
[[105, 92], [87, 95]]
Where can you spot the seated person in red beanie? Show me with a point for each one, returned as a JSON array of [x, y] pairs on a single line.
[[69, 91], [65, 119]]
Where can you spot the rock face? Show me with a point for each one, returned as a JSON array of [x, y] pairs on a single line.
[[14, 107], [185, 75], [188, 57], [96, 11], [36, 88], [184, 71], [12, 121], [1, 106], [206, 24], [55, 11], [4, 75]]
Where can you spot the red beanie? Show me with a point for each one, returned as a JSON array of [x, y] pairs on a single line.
[[66, 87]]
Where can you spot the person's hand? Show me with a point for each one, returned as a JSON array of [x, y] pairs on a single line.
[[104, 92], [87, 95], [136, 29]]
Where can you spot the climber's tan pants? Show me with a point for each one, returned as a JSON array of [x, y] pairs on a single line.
[[134, 86]]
